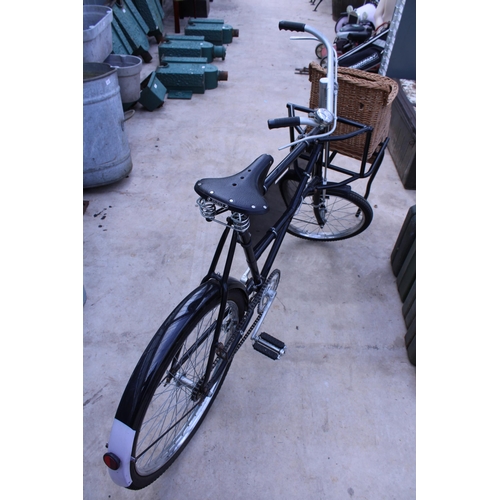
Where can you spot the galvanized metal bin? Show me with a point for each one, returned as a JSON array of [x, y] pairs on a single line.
[[129, 77], [106, 151], [97, 35]]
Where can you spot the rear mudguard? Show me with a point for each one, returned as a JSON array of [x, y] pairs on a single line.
[[139, 386]]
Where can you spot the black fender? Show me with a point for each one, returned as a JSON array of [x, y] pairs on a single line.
[[141, 381]]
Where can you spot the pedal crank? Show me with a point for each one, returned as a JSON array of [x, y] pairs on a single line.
[[266, 301], [262, 302]]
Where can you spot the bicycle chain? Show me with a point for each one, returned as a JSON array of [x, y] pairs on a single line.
[[222, 352], [253, 305]]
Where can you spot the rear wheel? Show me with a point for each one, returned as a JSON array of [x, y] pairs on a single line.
[[175, 407], [326, 214]]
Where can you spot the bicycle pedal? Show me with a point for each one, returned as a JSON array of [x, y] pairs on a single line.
[[269, 346]]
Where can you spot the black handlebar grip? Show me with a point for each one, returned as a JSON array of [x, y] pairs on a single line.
[[291, 26], [291, 121]]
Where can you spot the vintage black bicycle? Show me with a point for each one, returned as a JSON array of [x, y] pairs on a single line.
[[182, 369]]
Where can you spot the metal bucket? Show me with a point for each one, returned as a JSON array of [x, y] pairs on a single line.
[[106, 151], [97, 35], [129, 77]]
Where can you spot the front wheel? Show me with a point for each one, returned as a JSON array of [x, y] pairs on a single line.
[[326, 214], [163, 405]]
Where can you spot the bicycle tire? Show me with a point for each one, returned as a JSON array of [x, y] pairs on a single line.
[[161, 408], [319, 50], [331, 214]]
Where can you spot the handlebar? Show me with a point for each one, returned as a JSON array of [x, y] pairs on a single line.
[[291, 26], [331, 86], [291, 121]]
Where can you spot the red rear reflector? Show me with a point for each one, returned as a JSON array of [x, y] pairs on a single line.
[[112, 461]]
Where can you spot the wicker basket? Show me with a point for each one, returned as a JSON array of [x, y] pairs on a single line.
[[364, 98]]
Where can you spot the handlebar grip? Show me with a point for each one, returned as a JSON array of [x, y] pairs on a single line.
[[291, 26], [291, 121]]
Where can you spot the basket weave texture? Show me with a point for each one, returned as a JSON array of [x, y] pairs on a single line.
[[363, 97]]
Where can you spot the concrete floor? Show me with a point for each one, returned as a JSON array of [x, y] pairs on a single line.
[[335, 417]]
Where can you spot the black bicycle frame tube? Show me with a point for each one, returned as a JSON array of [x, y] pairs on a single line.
[[224, 289], [216, 257], [278, 231], [284, 165], [246, 244]]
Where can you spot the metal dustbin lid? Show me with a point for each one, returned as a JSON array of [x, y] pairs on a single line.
[[94, 71], [126, 65]]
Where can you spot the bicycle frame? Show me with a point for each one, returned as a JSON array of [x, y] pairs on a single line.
[[318, 158], [256, 276]]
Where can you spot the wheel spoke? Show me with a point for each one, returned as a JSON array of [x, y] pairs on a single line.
[[327, 214], [175, 408], [156, 441]]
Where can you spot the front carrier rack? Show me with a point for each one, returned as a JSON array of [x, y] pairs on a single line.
[[358, 130]]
